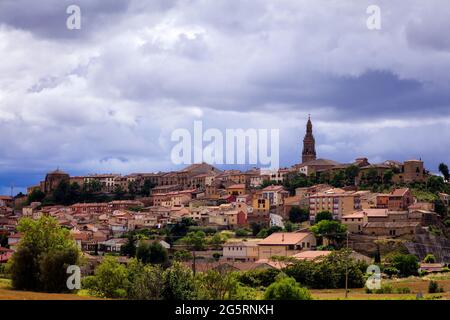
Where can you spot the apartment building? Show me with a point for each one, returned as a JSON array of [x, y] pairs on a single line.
[[336, 201]]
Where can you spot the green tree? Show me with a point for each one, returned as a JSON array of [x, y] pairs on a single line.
[[296, 180], [256, 228], [440, 208], [430, 258], [36, 196], [110, 279], [44, 248], [93, 186], [3, 240], [60, 194], [132, 188], [351, 173], [119, 192], [435, 184], [406, 264], [195, 240], [147, 281], [297, 214], [286, 288], [53, 269], [179, 230], [129, 248], [153, 253], [388, 176], [241, 233], [443, 168], [372, 177], [338, 179], [216, 241], [331, 230], [214, 285], [179, 283], [323, 215], [147, 187], [182, 255]]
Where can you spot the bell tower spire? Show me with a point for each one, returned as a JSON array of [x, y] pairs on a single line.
[[309, 143]]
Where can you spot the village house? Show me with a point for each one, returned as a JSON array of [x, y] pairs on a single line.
[[6, 201], [236, 189], [336, 201], [382, 222], [275, 195], [243, 251], [285, 244], [89, 208]]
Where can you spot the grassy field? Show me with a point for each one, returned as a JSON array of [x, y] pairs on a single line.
[[6, 293], [415, 285]]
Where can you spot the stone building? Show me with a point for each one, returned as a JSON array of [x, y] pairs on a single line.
[[53, 179]]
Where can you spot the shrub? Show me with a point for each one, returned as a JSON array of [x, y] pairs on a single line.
[[430, 258], [147, 281], [433, 287], [403, 290], [385, 288], [406, 264], [242, 233], [179, 283], [391, 271], [286, 288], [258, 278], [110, 277]]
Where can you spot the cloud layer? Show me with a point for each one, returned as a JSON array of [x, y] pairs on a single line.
[[107, 97]]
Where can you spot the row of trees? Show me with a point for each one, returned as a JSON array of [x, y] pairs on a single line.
[[328, 272], [69, 193], [149, 282]]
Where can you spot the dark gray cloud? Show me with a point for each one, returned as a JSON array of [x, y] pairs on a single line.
[[106, 98]]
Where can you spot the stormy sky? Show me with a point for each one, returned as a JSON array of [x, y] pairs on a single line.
[[106, 98]]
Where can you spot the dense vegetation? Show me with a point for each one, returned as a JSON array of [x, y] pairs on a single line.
[[43, 255]]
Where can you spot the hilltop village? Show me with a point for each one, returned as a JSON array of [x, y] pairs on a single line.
[[229, 219]]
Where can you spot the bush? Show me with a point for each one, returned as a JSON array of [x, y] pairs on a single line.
[[385, 289], [391, 271], [258, 278], [53, 269], [147, 281], [328, 272], [179, 283], [430, 258], [323, 215], [433, 287], [286, 288], [44, 252], [406, 264], [242, 233], [403, 290], [110, 280], [297, 214], [153, 253]]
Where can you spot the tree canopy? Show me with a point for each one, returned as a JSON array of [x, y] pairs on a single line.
[[43, 255]]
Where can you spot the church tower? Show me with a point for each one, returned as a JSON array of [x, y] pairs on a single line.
[[309, 144]]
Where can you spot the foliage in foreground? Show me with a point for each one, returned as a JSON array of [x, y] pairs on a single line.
[[43, 255], [286, 288]]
